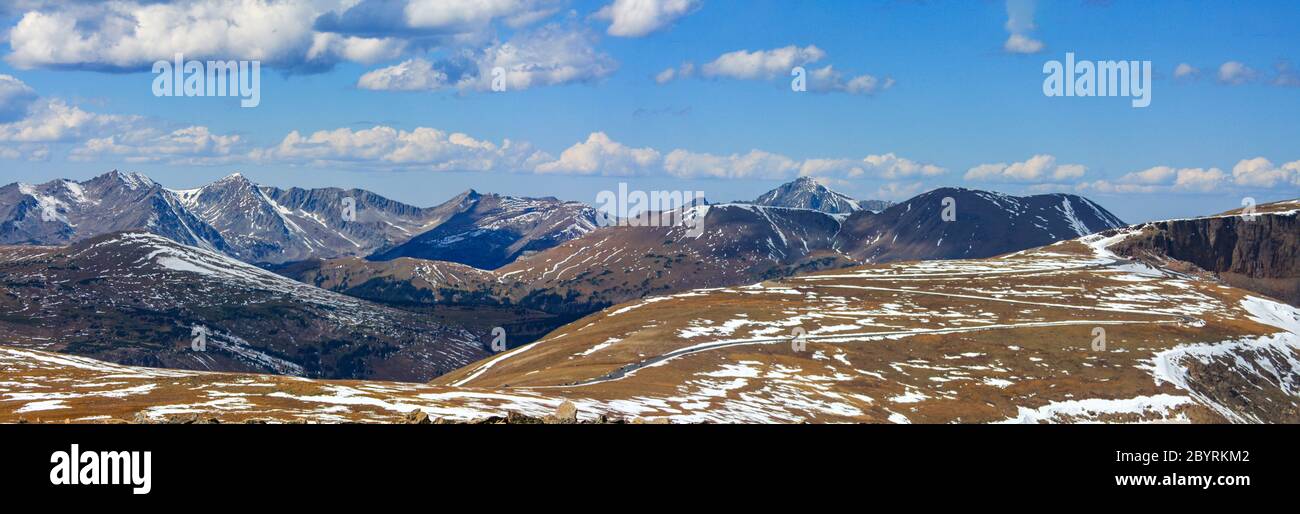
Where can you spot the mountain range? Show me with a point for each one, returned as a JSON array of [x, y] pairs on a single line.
[[1073, 331], [422, 288], [739, 243], [267, 225]]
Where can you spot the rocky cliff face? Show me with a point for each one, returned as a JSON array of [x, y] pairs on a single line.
[[1256, 254]]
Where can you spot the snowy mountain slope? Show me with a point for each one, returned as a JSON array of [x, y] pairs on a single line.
[[984, 224], [136, 298], [490, 231], [807, 193], [269, 225], [63, 211]]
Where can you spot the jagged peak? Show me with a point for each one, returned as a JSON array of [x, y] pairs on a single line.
[[130, 179], [233, 177]]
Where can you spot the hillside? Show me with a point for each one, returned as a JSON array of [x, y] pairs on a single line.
[[1069, 332], [136, 298]]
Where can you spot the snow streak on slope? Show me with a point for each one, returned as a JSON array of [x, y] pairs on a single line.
[[1270, 361]]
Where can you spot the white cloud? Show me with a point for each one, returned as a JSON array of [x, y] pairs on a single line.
[[762, 64], [1167, 177], [891, 166], [420, 148], [827, 79], [1186, 71], [328, 47], [1156, 175], [550, 55], [190, 145], [1198, 179], [601, 155], [1022, 44], [1020, 22], [53, 120], [1236, 73], [131, 35], [307, 35], [666, 76], [1106, 186], [780, 63], [409, 75], [636, 18], [670, 74], [28, 152], [1260, 172], [1257, 172], [1038, 168], [885, 166], [754, 164]]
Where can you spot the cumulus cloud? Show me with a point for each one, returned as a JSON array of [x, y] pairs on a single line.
[[300, 35], [1156, 175], [1106, 186], [189, 145], [422, 148], [884, 166], [754, 164], [1020, 22], [601, 155], [1236, 73], [780, 63], [1186, 71], [409, 75], [762, 64], [1161, 179], [686, 70], [54, 120], [1022, 44], [827, 79], [550, 55], [131, 35], [1038, 168], [637, 18], [1258, 172], [1198, 179], [1261, 172]]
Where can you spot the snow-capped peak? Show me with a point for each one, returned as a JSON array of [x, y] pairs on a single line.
[[808, 193]]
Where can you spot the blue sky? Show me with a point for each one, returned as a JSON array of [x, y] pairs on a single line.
[[919, 95]]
